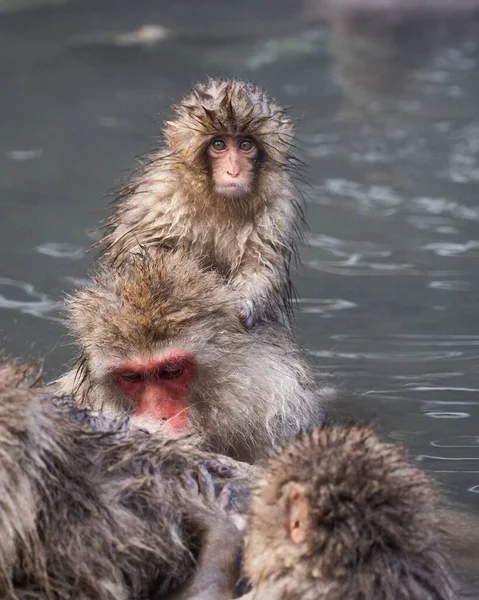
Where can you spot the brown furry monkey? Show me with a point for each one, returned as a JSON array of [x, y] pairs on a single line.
[[160, 340], [220, 188], [339, 515], [94, 509]]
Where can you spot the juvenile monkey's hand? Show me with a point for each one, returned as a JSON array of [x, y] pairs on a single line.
[[232, 482], [199, 480], [221, 542], [219, 563], [234, 499]]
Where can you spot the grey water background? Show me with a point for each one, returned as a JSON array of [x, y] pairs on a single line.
[[388, 117]]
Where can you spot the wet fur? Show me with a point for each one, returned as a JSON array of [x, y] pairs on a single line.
[[90, 508], [374, 526], [254, 390], [171, 202]]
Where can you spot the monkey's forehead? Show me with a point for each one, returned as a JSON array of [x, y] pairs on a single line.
[[235, 107], [105, 321], [148, 323], [130, 310]]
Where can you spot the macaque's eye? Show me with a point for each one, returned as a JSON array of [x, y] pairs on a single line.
[[246, 145], [172, 373], [132, 377], [218, 144]]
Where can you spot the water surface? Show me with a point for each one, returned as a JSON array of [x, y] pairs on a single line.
[[389, 125]]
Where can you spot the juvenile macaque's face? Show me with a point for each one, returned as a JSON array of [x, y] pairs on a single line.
[[233, 164]]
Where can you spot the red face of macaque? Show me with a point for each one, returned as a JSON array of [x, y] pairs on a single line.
[[159, 389], [233, 162]]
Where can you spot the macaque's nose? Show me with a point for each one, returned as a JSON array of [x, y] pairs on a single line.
[[233, 168]]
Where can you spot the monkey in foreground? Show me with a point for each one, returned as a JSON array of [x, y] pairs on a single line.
[[160, 341], [339, 515], [356, 521], [221, 188], [94, 509]]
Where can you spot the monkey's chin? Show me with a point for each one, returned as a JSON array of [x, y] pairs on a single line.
[[232, 190]]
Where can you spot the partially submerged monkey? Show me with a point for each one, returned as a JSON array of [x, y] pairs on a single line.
[[160, 340], [339, 515], [94, 509], [221, 188]]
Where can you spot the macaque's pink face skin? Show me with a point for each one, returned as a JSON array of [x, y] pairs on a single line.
[[159, 389], [233, 164]]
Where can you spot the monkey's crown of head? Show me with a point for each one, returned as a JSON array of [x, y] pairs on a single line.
[[352, 463], [233, 107], [151, 296]]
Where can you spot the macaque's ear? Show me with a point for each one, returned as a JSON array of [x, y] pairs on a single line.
[[299, 509], [172, 134]]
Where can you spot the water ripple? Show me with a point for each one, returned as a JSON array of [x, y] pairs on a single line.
[[440, 388], [367, 197], [413, 339], [436, 414], [427, 405], [452, 286], [440, 206], [441, 225], [463, 167], [343, 248], [326, 307], [460, 441], [415, 356], [439, 464], [21, 155], [448, 249], [374, 259], [61, 250], [40, 306], [354, 266], [426, 376]]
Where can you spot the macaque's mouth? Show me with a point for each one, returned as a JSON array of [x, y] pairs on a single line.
[[232, 190]]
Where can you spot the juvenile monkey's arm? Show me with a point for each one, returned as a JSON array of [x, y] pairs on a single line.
[[262, 278], [221, 541], [218, 566], [263, 284]]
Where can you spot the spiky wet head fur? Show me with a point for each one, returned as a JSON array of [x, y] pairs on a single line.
[[230, 107], [373, 528], [253, 390], [150, 301]]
